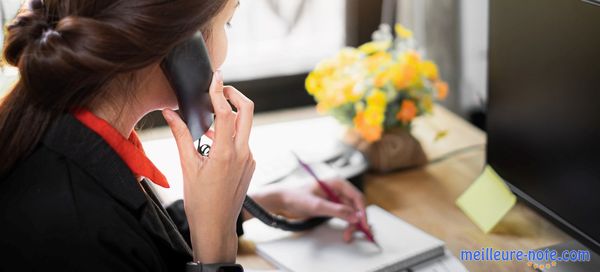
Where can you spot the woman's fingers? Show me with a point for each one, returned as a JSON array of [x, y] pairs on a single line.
[[249, 173], [245, 112], [322, 207], [362, 219], [349, 233], [183, 138], [210, 133], [348, 190], [224, 116]]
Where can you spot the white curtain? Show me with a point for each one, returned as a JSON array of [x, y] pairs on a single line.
[[454, 33]]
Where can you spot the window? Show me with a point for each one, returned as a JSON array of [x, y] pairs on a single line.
[[275, 43], [8, 75], [271, 38]]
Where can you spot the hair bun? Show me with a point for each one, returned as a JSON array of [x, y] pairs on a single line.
[[30, 26]]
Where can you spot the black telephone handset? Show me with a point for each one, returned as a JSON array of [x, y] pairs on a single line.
[[188, 69]]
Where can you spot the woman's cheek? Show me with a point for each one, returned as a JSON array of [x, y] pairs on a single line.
[[218, 48]]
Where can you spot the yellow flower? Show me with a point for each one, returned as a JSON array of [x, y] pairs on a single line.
[[411, 76], [401, 76], [326, 67], [313, 83], [347, 56], [382, 78], [392, 72], [377, 60], [350, 91], [412, 60], [374, 116], [408, 111], [411, 57], [377, 100], [403, 32], [373, 47], [429, 70]]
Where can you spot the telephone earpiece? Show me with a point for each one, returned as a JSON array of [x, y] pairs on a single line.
[[188, 70]]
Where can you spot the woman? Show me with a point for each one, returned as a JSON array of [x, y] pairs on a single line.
[[75, 192]]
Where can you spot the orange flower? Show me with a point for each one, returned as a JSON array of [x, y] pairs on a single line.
[[370, 133], [408, 111], [442, 89]]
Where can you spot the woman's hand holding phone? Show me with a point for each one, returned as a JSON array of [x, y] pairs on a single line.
[[215, 186]]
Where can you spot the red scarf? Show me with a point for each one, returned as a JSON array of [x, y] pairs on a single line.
[[130, 150]]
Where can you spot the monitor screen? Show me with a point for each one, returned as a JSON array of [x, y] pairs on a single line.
[[544, 108]]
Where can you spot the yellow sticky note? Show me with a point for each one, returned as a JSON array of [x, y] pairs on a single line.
[[487, 200]]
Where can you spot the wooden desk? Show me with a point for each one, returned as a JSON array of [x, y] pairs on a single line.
[[425, 197]]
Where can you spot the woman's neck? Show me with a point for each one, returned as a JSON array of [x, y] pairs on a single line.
[[123, 120], [153, 92]]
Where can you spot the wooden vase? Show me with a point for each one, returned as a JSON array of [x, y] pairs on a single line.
[[396, 150]]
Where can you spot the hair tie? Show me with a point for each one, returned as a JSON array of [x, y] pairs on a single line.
[[48, 32]]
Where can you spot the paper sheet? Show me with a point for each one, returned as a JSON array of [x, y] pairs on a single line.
[[323, 249], [448, 263], [487, 200]]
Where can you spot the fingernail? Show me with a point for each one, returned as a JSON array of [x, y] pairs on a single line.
[[218, 76], [347, 237], [358, 215], [168, 115]]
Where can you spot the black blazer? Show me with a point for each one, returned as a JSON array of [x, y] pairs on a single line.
[[73, 205]]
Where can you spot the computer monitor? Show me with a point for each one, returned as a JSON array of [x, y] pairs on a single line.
[[544, 108]]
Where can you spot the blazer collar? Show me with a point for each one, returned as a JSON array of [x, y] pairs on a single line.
[[89, 151]]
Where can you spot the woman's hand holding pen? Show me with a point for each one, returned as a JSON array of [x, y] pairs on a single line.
[[215, 186], [309, 201]]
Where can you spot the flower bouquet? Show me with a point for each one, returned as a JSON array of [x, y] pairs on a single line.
[[378, 90]]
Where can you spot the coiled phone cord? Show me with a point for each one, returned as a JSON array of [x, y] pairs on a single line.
[[269, 219], [281, 222]]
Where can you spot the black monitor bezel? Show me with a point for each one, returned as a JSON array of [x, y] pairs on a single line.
[[554, 218]]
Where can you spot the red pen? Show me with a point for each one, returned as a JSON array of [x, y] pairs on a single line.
[[334, 198]]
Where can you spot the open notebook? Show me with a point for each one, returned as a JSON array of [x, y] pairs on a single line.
[[323, 248]]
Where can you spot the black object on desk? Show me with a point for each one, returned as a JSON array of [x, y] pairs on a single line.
[[543, 118]]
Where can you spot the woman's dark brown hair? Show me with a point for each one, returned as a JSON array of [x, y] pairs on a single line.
[[68, 51]]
